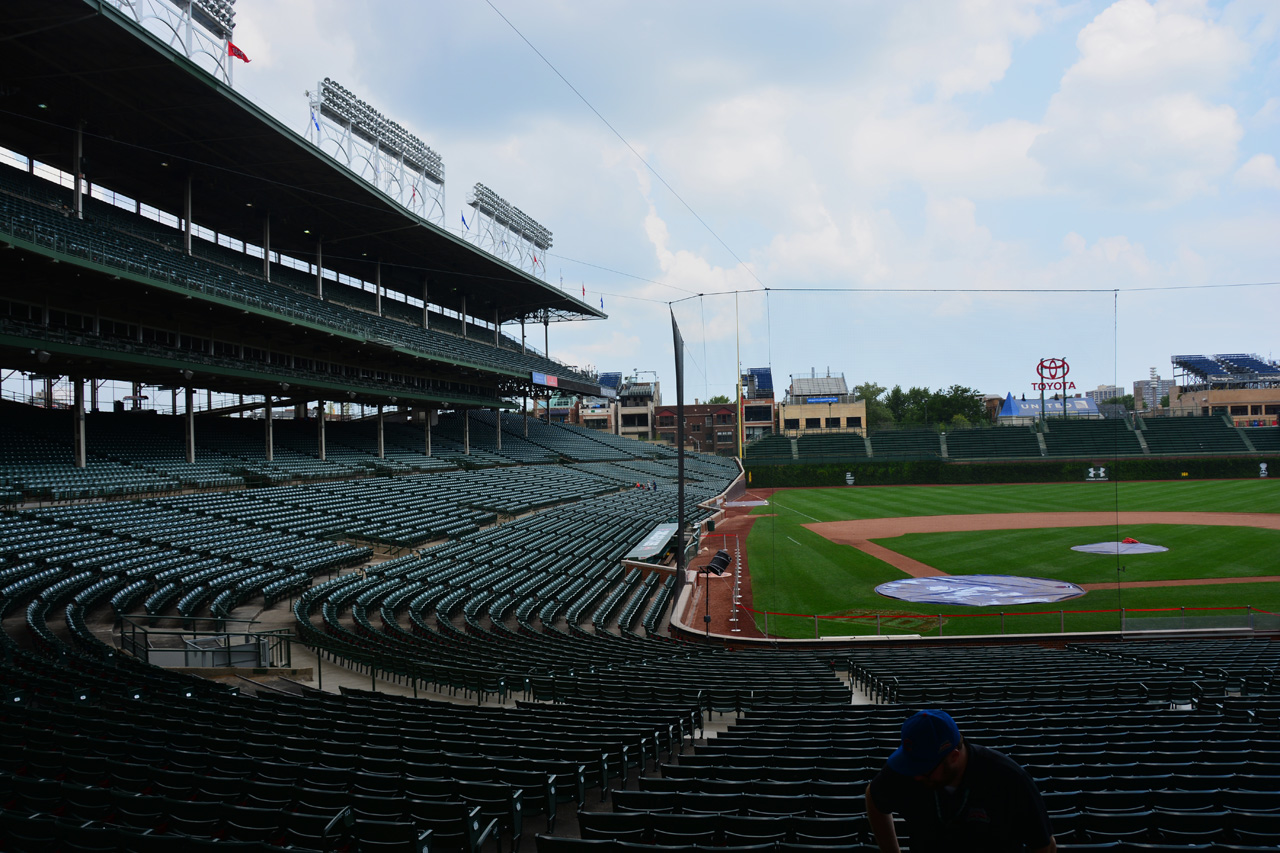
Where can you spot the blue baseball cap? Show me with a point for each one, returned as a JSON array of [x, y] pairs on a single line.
[[928, 736]]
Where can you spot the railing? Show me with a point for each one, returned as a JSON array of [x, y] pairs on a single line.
[[206, 642], [988, 623]]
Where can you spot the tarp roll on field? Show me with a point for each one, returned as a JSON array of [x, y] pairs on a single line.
[[980, 590]]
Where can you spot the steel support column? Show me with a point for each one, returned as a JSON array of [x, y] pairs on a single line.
[[382, 449], [320, 428], [191, 424], [270, 437], [186, 216], [77, 428]]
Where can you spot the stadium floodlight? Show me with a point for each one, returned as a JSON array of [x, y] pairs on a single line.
[[512, 218], [218, 16], [340, 105]]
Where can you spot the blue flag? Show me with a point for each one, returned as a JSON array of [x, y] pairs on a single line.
[[601, 303], [313, 121], [464, 221]]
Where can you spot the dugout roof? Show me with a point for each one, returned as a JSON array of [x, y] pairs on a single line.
[[151, 118]]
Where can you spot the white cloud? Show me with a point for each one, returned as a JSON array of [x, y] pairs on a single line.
[[957, 48], [1260, 172], [1268, 113], [934, 146], [1110, 262], [1135, 115]]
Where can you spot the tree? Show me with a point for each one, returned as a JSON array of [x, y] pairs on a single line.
[[719, 399], [1126, 401], [878, 414], [1164, 401], [957, 402]]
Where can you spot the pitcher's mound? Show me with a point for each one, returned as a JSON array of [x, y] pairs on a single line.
[[980, 590], [1126, 546]]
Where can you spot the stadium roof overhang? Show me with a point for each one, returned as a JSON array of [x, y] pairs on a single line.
[[152, 121]]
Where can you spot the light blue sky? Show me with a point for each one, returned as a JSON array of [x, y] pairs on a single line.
[[1003, 145]]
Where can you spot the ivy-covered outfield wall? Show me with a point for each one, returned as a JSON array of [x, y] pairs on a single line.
[[935, 471]]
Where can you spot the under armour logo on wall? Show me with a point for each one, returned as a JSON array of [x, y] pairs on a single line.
[[1097, 474]]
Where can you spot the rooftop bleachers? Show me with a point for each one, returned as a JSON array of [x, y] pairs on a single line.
[[1090, 438], [1249, 365], [1204, 367], [1016, 442], [1191, 436]]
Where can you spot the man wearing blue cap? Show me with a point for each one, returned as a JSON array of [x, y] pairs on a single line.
[[955, 796]]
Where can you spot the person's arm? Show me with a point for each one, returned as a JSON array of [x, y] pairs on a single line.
[[882, 827]]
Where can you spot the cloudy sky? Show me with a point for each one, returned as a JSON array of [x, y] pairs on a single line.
[[932, 193]]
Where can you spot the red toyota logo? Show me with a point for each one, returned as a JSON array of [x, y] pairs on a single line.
[[1053, 368]]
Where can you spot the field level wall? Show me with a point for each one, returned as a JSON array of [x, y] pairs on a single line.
[[913, 472]]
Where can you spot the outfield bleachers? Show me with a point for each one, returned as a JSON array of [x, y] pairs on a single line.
[[1264, 439], [839, 446], [1091, 438], [1191, 436], [906, 444], [1015, 442], [770, 450]]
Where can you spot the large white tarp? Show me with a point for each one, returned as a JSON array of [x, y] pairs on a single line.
[[980, 590]]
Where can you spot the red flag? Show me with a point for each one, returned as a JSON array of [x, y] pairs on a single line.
[[584, 290], [232, 50]]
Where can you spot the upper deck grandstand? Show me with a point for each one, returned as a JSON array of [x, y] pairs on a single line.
[[448, 544]]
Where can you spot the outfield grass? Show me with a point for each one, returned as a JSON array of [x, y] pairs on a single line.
[[794, 570]]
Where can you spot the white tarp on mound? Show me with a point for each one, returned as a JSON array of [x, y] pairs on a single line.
[[1119, 548], [979, 590]]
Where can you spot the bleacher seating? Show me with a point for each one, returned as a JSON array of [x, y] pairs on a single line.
[[1264, 439], [906, 444], [1091, 438], [770, 450], [1191, 436], [1017, 442], [827, 446]]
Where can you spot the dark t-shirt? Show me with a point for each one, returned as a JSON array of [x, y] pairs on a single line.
[[995, 809]]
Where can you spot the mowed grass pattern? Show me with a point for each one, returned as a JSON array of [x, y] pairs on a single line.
[[1195, 551], [796, 571]]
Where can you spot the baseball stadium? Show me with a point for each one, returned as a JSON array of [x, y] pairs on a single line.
[[330, 578]]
